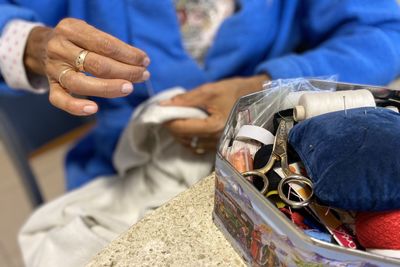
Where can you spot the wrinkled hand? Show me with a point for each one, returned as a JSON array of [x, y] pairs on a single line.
[[215, 98], [114, 64]]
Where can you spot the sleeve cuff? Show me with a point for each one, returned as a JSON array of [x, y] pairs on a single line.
[[285, 67], [12, 46]]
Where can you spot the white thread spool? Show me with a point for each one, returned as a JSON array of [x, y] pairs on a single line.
[[311, 105], [292, 99], [257, 133], [393, 108]]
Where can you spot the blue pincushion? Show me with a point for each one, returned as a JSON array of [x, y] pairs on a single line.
[[353, 159]]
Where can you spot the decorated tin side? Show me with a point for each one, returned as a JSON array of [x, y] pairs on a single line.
[[258, 230]]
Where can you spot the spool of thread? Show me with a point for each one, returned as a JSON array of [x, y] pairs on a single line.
[[393, 108], [379, 232], [311, 105], [257, 133], [292, 99]]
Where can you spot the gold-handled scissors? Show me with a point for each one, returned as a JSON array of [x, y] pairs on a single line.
[[279, 152]]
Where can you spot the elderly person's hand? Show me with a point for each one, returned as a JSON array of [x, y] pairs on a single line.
[[60, 54], [217, 99]]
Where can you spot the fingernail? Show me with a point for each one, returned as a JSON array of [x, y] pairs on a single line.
[[127, 88], [146, 61], [89, 109], [145, 75]]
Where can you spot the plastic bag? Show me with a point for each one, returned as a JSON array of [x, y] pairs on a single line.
[[259, 108]]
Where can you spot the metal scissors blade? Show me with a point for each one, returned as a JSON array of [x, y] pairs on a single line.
[[279, 152], [280, 144]]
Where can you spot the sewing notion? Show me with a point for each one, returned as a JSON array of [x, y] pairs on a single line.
[[308, 174]]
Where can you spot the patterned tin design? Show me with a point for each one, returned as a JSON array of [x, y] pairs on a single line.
[[258, 231], [256, 240]]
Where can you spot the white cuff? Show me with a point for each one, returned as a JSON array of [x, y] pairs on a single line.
[[12, 47]]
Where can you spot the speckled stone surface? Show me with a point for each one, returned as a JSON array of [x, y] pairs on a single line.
[[180, 233]]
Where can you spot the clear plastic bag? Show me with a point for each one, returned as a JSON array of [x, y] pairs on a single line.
[[259, 108], [278, 95]]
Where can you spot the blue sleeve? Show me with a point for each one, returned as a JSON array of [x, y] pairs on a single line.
[[10, 12], [359, 40]]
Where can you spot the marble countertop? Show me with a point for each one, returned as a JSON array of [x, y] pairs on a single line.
[[180, 233]]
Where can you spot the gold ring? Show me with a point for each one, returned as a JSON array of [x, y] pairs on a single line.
[[62, 74], [80, 60]]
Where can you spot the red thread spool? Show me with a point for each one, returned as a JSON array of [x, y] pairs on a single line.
[[379, 230]]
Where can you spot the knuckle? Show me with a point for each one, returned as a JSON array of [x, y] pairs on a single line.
[[135, 75], [53, 45], [67, 25], [62, 42], [106, 92], [66, 21], [98, 67], [106, 47], [137, 57], [71, 80], [45, 59], [48, 66]]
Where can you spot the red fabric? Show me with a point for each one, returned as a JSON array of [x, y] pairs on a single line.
[[295, 217], [380, 230]]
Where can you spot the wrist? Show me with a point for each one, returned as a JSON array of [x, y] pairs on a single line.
[[35, 50], [253, 84]]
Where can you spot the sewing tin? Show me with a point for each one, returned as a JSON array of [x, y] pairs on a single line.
[[257, 230]]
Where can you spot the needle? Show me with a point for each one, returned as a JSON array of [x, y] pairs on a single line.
[[149, 87]]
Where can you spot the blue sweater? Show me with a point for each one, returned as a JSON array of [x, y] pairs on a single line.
[[358, 40]]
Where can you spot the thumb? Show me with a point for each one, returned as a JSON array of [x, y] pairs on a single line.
[[190, 99]]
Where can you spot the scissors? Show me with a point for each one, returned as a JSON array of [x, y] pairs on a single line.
[[279, 152]]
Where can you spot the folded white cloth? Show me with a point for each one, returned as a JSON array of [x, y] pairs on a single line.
[[152, 168]]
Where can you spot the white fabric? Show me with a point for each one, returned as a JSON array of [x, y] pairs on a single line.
[[152, 169], [12, 47]]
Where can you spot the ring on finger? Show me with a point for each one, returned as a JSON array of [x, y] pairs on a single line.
[[80, 60], [62, 74]]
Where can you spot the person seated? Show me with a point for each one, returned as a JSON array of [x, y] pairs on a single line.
[[217, 50]]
